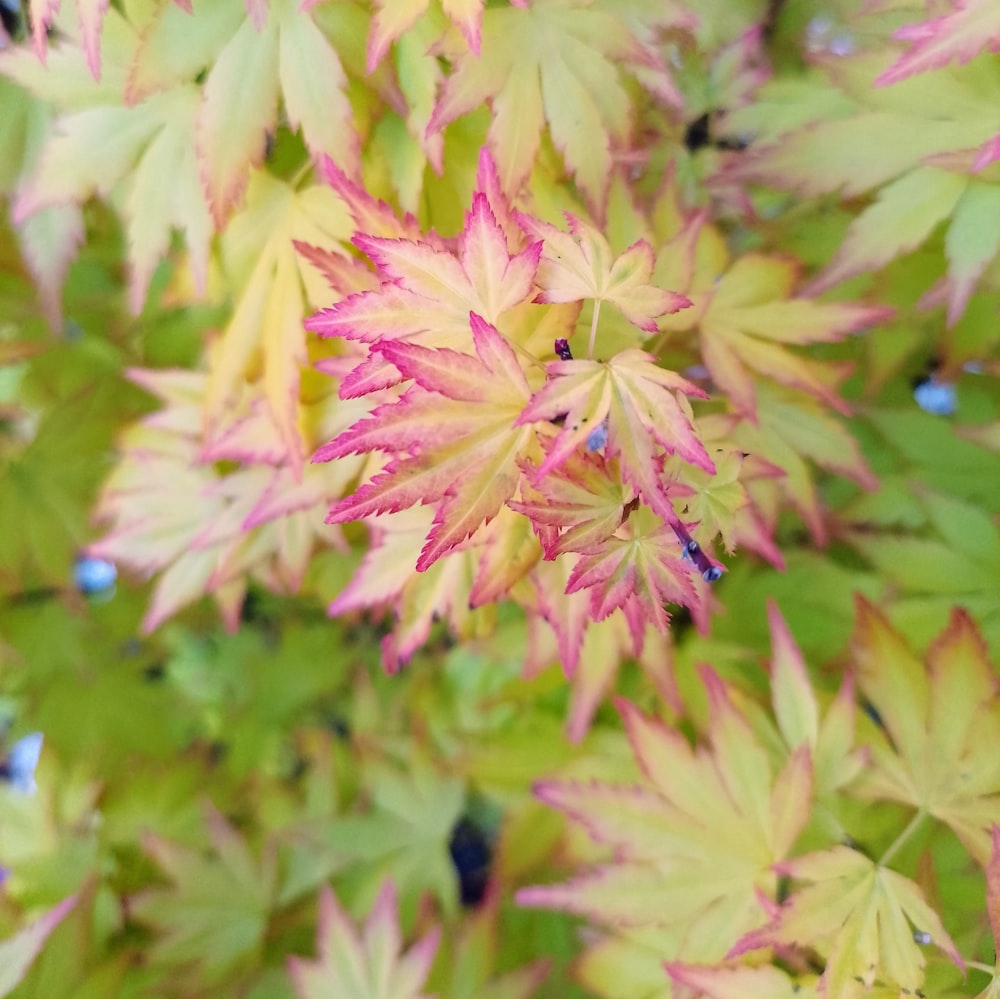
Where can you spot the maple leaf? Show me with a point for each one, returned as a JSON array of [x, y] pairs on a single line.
[[555, 61], [394, 17], [442, 592], [460, 424], [747, 317], [927, 129], [941, 717], [581, 264], [860, 915], [718, 982], [637, 574], [973, 25], [406, 833], [836, 761], [428, 292], [585, 497], [170, 511], [704, 831], [217, 911], [366, 965], [277, 49], [645, 411], [264, 339], [96, 144], [90, 14]]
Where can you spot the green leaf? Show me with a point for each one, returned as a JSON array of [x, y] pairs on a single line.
[[217, 910]]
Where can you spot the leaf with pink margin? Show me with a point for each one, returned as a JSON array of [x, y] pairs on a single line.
[[860, 916], [240, 105], [792, 695], [972, 27], [468, 466], [428, 292], [19, 951], [370, 964], [705, 834], [718, 982], [989, 153], [581, 265]]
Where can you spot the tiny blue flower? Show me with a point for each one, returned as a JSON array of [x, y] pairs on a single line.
[[22, 759], [94, 575], [936, 397], [598, 437], [711, 574]]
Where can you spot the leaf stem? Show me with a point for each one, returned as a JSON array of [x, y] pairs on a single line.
[[981, 967], [593, 329], [895, 846]]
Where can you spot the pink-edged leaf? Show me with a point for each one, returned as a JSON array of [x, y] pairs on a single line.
[[371, 216], [314, 88], [989, 153], [344, 274], [49, 240], [240, 105], [581, 265], [794, 702], [714, 981], [19, 951], [371, 964], [972, 27], [902, 217], [973, 240], [391, 19], [640, 574], [468, 464], [639, 823], [634, 394], [503, 280], [468, 15]]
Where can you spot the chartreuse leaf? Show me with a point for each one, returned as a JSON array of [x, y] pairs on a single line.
[[466, 964], [393, 18], [555, 61], [265, 57], [367, 965], [703, 832], [836, 761], [908, 122], [216, 912], [747, 316], [941, 718], [860, 916], [264, 337], [17, 953]]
